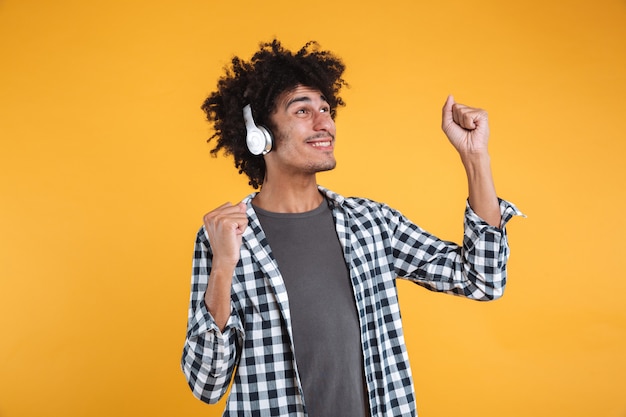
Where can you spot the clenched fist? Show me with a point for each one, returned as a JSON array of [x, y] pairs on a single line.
[[224, 226], [466, 127]]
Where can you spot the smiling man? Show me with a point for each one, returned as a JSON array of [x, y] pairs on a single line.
[[293, 295]]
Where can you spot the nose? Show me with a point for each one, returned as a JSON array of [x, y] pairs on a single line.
[[323, 122]]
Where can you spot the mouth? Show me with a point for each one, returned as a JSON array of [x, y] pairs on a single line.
[[325, 143], [321, 144]]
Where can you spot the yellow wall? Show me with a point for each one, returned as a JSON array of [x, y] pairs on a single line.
[[105, 174]]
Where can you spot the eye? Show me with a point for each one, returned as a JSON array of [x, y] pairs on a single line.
[[325, 109]]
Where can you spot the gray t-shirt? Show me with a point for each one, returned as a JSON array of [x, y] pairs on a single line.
[[324, 318]]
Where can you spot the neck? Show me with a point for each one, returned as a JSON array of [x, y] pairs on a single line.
[[289, 195]]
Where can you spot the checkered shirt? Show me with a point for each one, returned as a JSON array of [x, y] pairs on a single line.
[[256, 351]]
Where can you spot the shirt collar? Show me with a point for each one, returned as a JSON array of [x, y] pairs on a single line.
[[335, 199]]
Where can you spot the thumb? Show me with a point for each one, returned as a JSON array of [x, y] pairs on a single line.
[[446, 112], [241, 225]]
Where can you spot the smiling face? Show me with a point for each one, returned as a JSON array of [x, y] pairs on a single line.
[[304, 134]]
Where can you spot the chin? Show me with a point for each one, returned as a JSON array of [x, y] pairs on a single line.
[[326, 167]]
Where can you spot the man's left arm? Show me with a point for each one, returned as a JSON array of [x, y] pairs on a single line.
[[467, 129], [477, 269]]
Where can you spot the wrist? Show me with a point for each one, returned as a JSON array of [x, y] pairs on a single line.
[[222, 270], [475, 161]]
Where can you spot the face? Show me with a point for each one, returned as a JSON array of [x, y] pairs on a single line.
[[304, 134]]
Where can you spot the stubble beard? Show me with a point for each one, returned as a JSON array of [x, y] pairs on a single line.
[[314, 168]]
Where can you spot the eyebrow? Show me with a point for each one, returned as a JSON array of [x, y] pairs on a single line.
[[301, 99]]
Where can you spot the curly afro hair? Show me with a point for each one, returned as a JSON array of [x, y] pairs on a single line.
[[271, 71]]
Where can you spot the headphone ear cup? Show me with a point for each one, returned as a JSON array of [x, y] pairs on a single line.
[[269, 139], [259, 140]]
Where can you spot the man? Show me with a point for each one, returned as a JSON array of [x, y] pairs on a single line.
[[293, 290]]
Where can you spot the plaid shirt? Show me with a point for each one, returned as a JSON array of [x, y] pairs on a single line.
[[379, 245]]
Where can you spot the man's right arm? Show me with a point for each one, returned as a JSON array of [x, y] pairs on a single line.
[[213, 331], [224, 226]]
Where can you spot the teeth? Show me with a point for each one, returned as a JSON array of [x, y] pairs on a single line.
[[321, 144]]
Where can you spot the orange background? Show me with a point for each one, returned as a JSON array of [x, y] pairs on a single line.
[[105, 174]]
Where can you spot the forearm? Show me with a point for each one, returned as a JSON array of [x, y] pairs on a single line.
[[210, 351], [482, 192], [217, 295], [224, 228]]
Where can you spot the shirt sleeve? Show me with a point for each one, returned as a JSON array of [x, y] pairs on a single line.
[[209, 355], [475, 270]]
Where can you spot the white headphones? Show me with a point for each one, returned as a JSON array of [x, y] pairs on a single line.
[[258, 138]]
